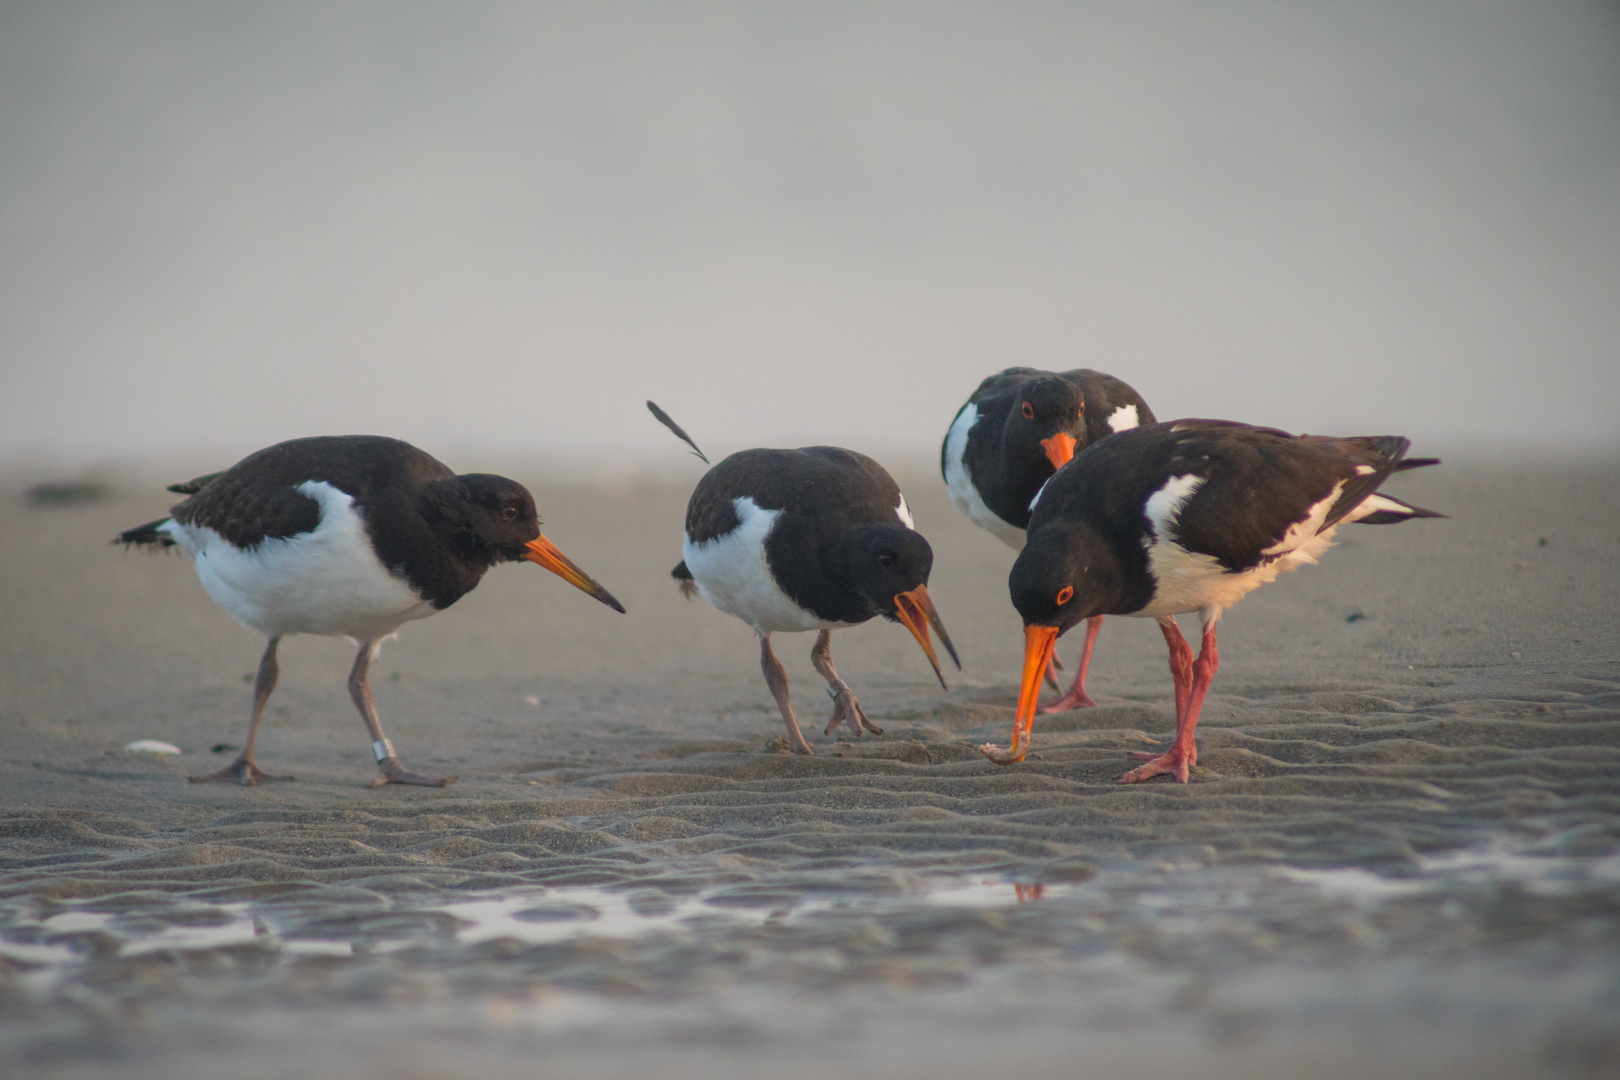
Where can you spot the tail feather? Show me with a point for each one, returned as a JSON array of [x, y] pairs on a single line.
[[191, 487], [1384, 509], [680, 432], [147, 535], [684, 576]]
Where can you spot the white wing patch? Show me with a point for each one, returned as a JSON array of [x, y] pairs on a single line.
[[1124, 418], [960, 484], [326, 581], [1301, 533], [732, 573], [903, 512], [1164, 506], [1375, 502], [1038, 493]]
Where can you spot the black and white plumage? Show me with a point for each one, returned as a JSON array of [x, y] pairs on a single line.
[[1182, 517], [817, 538], [350, 536], [1017, 429]]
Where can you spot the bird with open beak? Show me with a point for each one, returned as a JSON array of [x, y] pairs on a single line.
[[817, 538]]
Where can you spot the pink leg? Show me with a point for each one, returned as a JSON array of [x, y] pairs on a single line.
[[1077, 698], [1192, 679]]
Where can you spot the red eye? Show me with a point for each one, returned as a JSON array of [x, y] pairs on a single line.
[[1065, 594], [1028, 411]]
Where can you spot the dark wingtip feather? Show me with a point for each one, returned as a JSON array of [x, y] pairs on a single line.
[[145, 536], [680, 433]]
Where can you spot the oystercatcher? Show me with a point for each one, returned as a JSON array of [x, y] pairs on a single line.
[[817, 538], [1018, 428], [350, 536], [1180, 517]]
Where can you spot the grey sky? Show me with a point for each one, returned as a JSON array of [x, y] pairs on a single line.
[[498, 228]]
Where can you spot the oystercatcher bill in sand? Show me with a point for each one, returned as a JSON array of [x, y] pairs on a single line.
[[1180, 517], [350, 536], [812, 539], [1019, 427]]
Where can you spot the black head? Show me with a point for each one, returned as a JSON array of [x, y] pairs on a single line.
[[886, 560], [889, 565], [1065, 574], [492, 518], [1048, 420]]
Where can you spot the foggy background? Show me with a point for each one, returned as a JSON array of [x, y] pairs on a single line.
[[495, 229]]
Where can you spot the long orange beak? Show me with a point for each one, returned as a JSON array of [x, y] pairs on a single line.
[[913, 608], [1039, 643], [1059, 449], [548, 555]]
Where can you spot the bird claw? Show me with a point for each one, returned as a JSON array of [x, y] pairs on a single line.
[[1175, 764], [393, 772], [244, 771], [1074, 699], [847, 710]]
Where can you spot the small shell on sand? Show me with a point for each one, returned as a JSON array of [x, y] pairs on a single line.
[[153, 746]]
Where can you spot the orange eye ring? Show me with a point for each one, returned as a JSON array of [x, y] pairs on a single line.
[[1028, 410], [1065, 594]]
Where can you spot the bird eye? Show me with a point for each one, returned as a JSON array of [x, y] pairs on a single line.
[[509, 513], [1065, 594], [1029, 411], [885, 559]]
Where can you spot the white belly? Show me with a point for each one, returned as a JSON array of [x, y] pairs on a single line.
[[732, 574], [327, 581], [960, 484]]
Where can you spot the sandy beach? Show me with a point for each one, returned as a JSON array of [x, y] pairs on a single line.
[[1399, 856]]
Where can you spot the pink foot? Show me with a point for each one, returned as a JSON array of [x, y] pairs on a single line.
[[1175, 763], [1076, 698]]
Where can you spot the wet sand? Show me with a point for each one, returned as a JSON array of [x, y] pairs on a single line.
[[1400, 855]]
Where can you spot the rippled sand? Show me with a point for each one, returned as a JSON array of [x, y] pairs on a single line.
[[1400, 855]]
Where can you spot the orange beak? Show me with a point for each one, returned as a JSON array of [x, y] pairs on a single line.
[[916, 613], [547, 554], [1059, 449], [1039, 643]]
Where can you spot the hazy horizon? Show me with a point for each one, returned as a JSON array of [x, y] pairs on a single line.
[[496, 229]]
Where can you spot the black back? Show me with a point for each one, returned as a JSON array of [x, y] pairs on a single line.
[[439, 531], [1004, 457], [833, 502], [1257, 483]]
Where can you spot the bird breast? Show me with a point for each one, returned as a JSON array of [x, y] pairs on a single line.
[[733, 574], [325, 581]]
